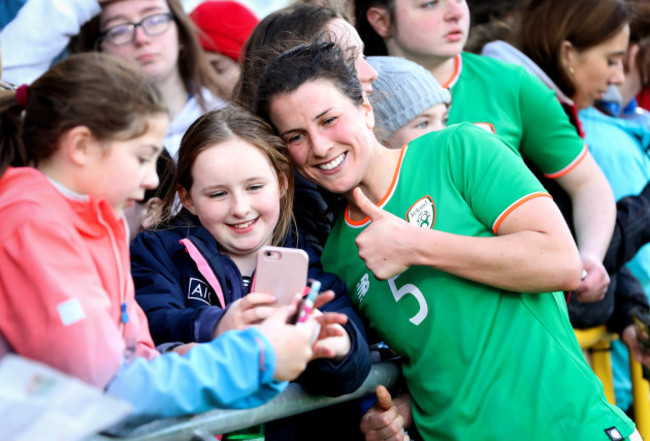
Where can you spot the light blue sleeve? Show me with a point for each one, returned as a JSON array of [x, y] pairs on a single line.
[[233, 371], [38, 33]]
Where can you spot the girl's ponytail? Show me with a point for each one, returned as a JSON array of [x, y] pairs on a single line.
[[109, 96], [12, 150]]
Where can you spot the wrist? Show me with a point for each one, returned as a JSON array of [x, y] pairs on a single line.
[[419, 253]]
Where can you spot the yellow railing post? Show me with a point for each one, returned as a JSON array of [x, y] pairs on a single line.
[[640, 394], [597, 341], [602, 365]]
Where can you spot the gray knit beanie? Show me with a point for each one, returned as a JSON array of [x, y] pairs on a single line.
[[402, 90]]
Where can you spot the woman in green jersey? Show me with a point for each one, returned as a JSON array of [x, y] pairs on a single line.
[[453, 253], [508, 101]]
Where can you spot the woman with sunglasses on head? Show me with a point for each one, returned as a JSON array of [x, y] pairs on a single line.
[[155, 34]]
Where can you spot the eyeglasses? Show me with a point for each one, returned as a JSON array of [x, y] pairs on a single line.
[[124, 33]]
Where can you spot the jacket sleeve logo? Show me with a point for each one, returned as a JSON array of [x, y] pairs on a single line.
[[199, 290]]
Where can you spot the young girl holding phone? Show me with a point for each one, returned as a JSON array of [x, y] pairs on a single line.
[[193, 274], [92, 127]]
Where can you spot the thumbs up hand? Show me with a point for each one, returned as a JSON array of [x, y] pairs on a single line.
[[385, 244], [383, 421]]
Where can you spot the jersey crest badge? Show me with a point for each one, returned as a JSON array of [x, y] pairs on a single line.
[[422, 213], [199, 290]]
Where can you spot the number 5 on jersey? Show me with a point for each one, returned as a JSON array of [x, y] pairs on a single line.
[[415, 292]]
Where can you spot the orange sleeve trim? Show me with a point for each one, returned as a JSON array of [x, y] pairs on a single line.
[[513, 206], [573, 164], [488, 127], [454, 76], [383, 199]]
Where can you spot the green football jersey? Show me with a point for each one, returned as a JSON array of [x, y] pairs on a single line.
[[481, 363], [519, 108]]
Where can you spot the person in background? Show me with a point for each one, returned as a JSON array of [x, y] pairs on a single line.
[[157, 35], [224, 27], [491, 20], [66, 293], [407, 101], [644, 98], [526, 116], [617, 131], [343, 8]]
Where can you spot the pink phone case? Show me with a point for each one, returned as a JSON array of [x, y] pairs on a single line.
[[281, 272]]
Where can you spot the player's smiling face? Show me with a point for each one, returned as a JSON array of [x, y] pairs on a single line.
[[329, 136]]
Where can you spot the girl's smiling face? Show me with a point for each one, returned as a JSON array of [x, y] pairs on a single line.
[[236, 196]]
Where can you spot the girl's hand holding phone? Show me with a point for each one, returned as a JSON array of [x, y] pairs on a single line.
[[333, 340], [292, 344], [249, 310], [254, 308]]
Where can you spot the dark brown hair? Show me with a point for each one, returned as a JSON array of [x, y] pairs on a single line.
[[109, 96], [374, 43], [277, 32], [546, 24], [195, 70], [342, 8], [222, 125], [640, 35], [304, 63]]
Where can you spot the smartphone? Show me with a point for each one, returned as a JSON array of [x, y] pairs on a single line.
[[282, 272], [306, 304]]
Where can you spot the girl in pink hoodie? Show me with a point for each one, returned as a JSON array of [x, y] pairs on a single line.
[[91, 128]]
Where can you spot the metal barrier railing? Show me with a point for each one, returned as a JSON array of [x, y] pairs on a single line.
[[598, 342], [294, 400]]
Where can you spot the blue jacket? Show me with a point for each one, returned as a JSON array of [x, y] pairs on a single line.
[[619, 142], [232, 371], [182, 306], [620, 147]]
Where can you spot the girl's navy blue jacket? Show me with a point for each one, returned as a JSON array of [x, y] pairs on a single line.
[[182, 306]]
